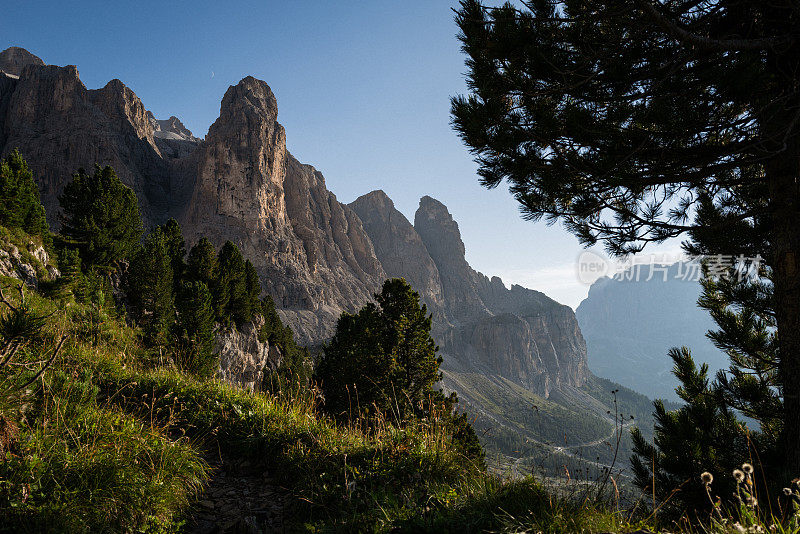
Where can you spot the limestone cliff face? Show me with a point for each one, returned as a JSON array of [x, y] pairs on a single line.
[[239, 183], [28, 262], [316, 256], [60, 126], [311, 251], [13, 59], [442, 238], [481, 326], [400, 248], [243, 358], [235, 178]]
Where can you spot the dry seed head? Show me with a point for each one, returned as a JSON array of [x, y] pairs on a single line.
[[738, 475], [787, 491], [707, 478], [747, 468]]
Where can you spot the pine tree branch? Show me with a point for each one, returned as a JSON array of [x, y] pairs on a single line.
[[46, 365], [708, 43]]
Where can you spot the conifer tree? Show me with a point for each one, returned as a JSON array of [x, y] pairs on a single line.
[[176, 248], [623, 118], [71, 279], [253, 288], [202, 263], [703, 435], [20, 206], [151, 283], [382, 358], [203, 266], [233, 284], [100, 218], [706, 434], [273, 330], [195, 329], [408, 336]]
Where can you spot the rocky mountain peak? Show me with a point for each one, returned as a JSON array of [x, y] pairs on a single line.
[[121, 104], [439, 230], [247, 137], [433, 209], [61, 126], [240, 168], [377, 199], [311, 251], [399, 247], [518, 334], [63, 81], [13, 59], [171, 128], [248, 103]]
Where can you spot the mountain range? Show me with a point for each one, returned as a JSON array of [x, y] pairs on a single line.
[[507, 352]]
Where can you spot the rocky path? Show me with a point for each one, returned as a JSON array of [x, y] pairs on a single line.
[[239, 499]]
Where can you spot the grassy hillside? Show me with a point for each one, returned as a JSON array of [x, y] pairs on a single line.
[[520, 410], [106, 441]]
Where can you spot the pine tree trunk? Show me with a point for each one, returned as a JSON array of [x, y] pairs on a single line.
[[783, 177], [785, 262]]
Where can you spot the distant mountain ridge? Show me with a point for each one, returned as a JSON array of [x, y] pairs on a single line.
[[171, 128], [630, 323]]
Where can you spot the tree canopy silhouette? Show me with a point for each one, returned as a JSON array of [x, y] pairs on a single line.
[[635, 121], [382, 358]]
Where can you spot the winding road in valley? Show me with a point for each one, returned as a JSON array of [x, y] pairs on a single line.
[[566, 449]]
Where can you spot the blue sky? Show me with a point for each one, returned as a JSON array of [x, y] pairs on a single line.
[[363, 91]]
